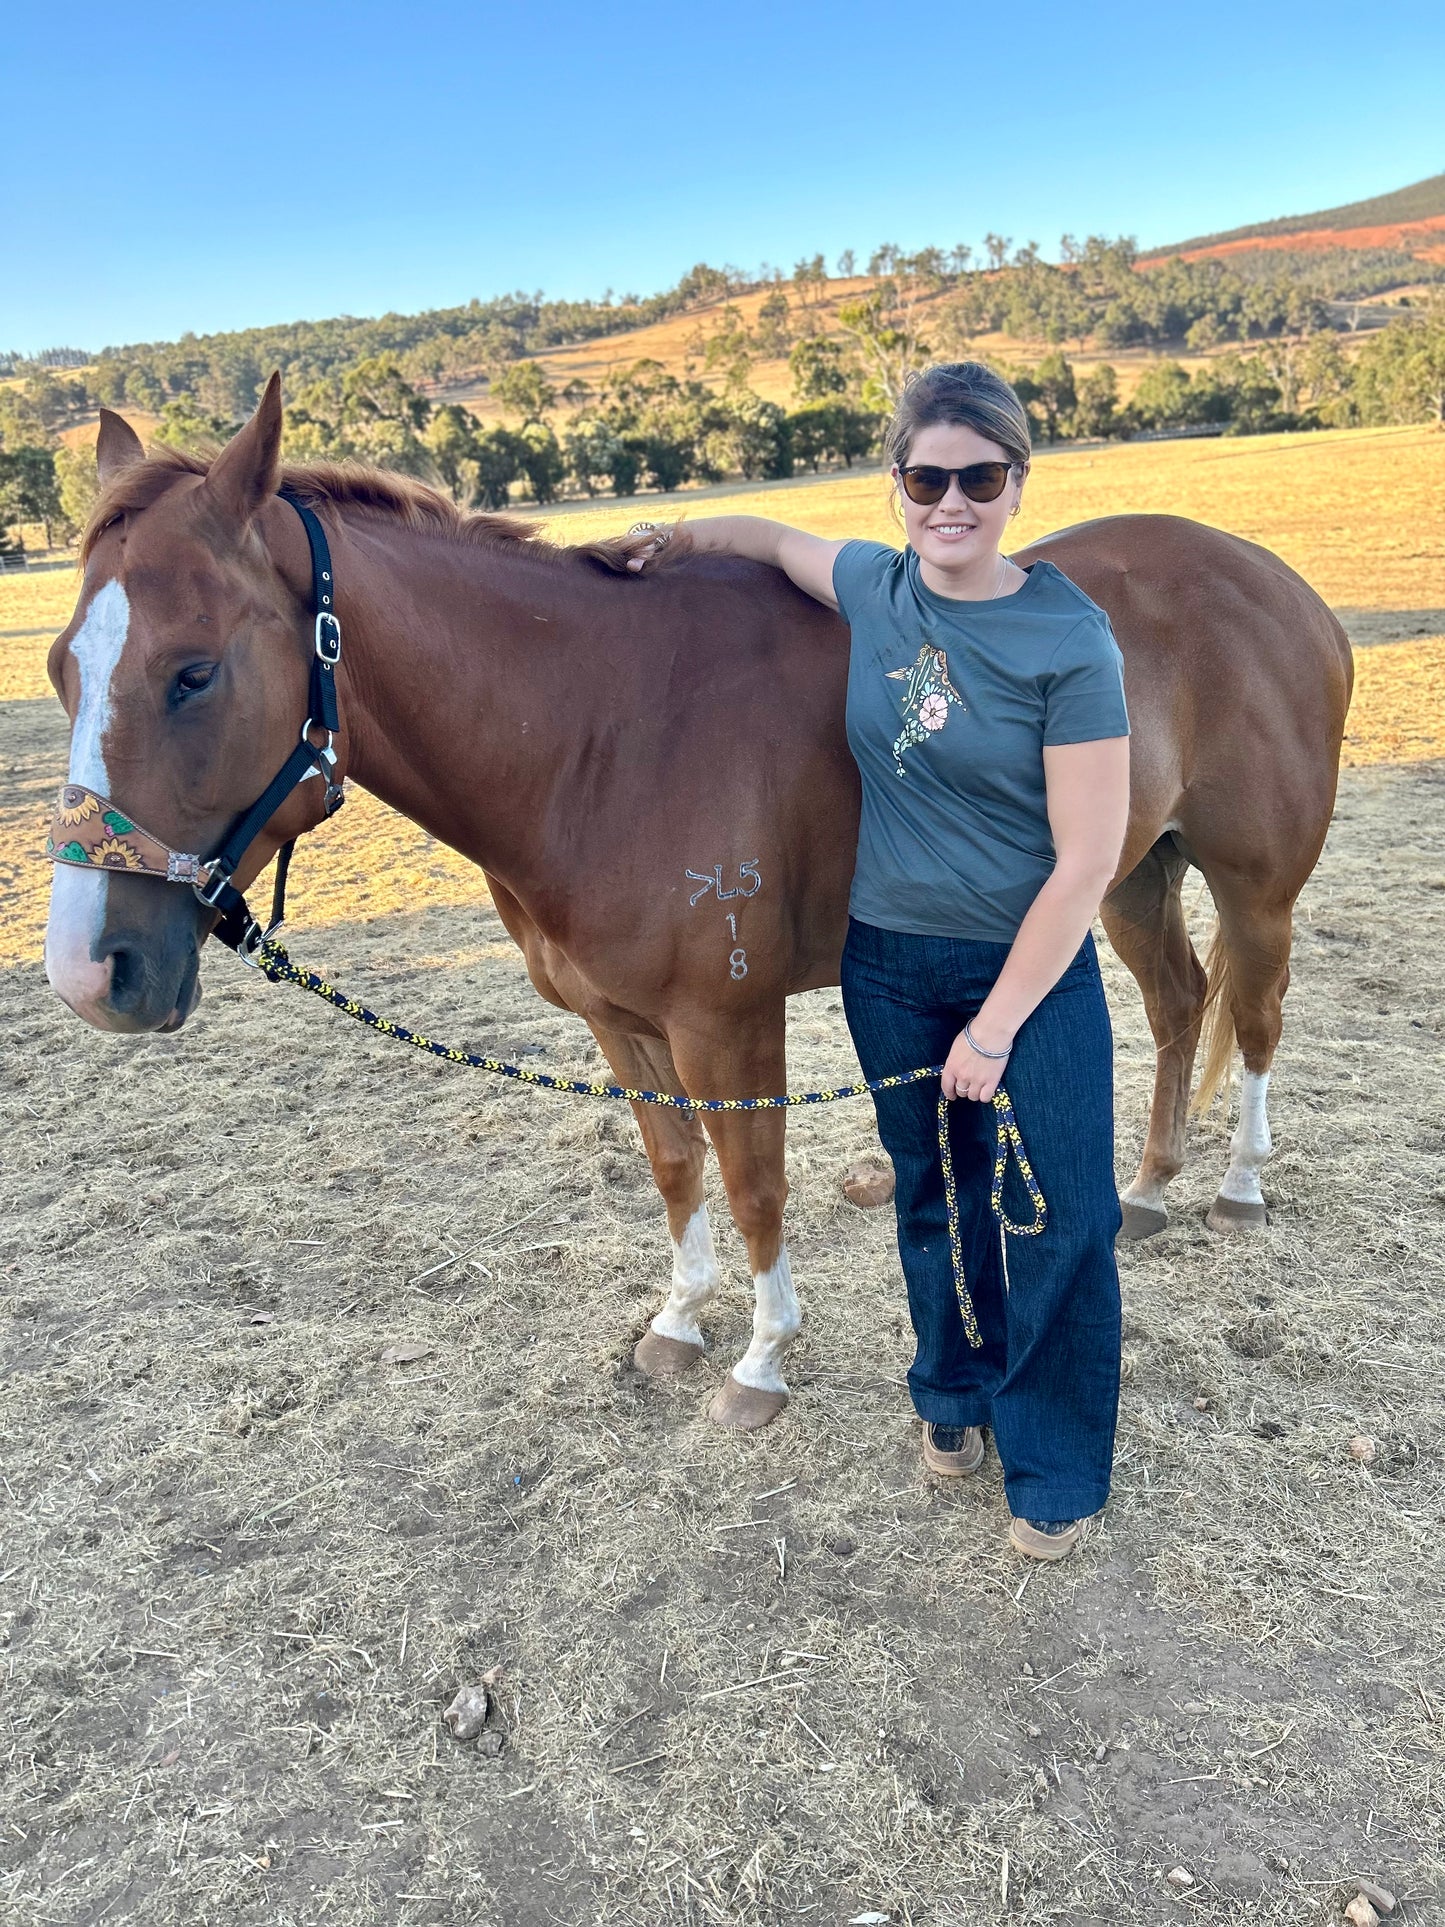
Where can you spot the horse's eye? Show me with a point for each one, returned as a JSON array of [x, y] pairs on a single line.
[[198, 676]]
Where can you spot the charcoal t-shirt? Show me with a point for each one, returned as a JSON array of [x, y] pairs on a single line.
[[950, 705]]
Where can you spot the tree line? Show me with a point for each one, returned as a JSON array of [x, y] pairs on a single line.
[[848, 360], [1099, 289], [223, 374], [1288, 382], [641, 426]]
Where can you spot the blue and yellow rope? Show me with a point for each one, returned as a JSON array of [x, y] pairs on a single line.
[[275, 964]]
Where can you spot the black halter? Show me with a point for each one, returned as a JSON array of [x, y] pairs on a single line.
[[237, 928]]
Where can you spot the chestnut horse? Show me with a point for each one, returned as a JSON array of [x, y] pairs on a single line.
[[652, 773]]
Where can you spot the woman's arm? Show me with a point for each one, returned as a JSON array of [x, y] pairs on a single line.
[[808, 559], [1087, 785]]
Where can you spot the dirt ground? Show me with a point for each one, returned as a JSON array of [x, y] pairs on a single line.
[[246, 1562]]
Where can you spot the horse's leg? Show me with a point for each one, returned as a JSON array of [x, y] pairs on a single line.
[[1255, 928], [676, 1149], [1145, 922], [749, 1146]]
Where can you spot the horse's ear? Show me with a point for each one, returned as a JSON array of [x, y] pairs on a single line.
[[247, 471], [117, 446]]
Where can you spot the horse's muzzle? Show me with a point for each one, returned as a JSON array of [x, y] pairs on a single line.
[[150, 992], [122, 972]]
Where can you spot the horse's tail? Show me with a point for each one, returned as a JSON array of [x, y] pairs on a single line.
[[1216, 1035]]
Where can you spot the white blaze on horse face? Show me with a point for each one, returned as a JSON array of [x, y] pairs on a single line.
[[1251, 1143], [695, 1279], [777, 1318], [96, 647], [78, 897]]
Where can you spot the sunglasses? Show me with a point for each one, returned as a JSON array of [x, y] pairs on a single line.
[[979, 482]]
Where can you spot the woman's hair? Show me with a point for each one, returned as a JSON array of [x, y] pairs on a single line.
[[960, 394]]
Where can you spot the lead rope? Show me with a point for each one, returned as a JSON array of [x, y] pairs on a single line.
[[274, 963]]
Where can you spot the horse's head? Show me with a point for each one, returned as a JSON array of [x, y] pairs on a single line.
[[184, 671]]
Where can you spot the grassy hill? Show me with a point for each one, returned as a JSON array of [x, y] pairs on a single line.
[[672, 343], [1423, 202], [676, 342]]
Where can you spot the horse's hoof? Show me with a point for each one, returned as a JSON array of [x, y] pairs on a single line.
[[743, 1408], [1141, 1220], [868, 1184], [1231, 1214], [663, 1357]]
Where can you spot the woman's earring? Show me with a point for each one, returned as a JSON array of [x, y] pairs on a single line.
[[1017, 506]]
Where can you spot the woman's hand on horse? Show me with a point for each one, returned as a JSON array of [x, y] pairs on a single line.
[[644, 545], [967, 1073]]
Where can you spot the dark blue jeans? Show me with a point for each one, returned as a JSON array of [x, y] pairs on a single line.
[[1047, 1376]]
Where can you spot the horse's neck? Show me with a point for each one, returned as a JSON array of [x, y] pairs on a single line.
[[451, 651]]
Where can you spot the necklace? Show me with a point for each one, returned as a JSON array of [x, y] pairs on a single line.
[[1000, 578]]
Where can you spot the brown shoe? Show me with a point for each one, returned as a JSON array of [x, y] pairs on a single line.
[[952, 1451], [1035, 1543]]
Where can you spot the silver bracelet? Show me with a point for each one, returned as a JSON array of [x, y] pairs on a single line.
[[998, 1056]]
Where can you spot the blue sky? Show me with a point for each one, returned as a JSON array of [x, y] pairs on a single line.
[[201, 167]]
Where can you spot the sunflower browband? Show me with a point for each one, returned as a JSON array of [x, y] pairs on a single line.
[[89, 831]]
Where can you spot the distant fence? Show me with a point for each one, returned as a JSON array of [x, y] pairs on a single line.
[[1178, 434], [35, 564]]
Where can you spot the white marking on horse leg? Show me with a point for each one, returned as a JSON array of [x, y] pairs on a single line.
[[1251, 1143], [78, 897], [777, 1317], [695, 1279], [1149, 1193]]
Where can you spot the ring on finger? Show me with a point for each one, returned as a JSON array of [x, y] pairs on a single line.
[[660, 537]]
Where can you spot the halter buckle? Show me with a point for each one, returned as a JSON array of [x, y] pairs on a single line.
[[328, 637], [209, 892]]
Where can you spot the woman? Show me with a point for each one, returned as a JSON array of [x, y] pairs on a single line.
[[986, 713]]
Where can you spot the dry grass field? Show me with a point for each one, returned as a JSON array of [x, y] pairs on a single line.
[[1357, 511], [246, 1559]]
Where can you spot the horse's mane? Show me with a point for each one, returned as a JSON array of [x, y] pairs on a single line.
[[400, 498]]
